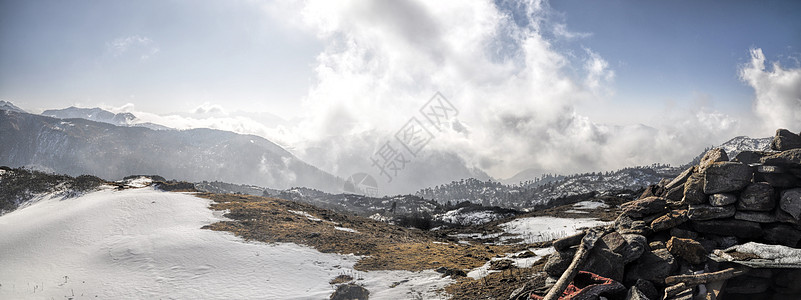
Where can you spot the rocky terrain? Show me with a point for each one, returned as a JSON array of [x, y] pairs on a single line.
[[727, 228]]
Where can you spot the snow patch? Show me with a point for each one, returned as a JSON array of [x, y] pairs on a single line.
[[527, 262], [305, 214], [538, 229], [346, 229]]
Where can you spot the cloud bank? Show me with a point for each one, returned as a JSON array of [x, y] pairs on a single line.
[[777, 101], [497, 62]]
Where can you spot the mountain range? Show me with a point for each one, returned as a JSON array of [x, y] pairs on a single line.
[[94, 141], [76, 146]]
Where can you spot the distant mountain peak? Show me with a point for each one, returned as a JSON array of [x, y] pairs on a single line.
[[6, 105], [93, 114]]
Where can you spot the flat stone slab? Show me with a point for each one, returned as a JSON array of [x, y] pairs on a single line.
[[722, 177]]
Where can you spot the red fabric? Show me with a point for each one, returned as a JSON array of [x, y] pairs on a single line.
[[587, 285]]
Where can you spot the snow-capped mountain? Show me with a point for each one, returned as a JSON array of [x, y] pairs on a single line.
[[78, 146], [101, 115], [5, 105], [744, 143], [92, 114]]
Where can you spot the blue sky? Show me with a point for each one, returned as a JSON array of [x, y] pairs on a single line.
[[680, 49], [562, 86]]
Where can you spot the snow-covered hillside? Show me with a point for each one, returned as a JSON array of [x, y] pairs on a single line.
[[147, 244]]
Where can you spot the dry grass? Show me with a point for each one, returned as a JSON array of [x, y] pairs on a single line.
[[386, 246], [498, 285]]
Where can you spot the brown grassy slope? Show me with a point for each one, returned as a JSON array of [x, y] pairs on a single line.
[[388, 247]]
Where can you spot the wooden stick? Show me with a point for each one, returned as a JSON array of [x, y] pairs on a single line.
[[674, 290], [693, 280], [587, 243]]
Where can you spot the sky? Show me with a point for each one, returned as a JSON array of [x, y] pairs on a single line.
[[554, 87]]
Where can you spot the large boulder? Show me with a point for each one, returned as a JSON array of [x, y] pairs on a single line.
[[785, 140], [756, 216], [558, 262], [694, 190], [653, 266], [757, 197], [722, 177], [710, 157], [702, 212], [751, 157], [681, 179], [788, 157], [635, 246], [604, 262], [782, 234], [669, 220], [738, 228], [644, 207], [790, 202], [689, 250]]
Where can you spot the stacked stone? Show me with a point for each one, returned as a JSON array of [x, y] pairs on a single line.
[[719, 203]]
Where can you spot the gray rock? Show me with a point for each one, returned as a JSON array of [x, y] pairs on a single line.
[[738, 228], [757, 197], [700, 212], [688, 249], [635, 294], [669, 220], [613, 241], [350, 292], [788, 157], [647, 288], [694, 190], [722, 199], [606, 263], [653, 266], [645, 207], [710, 157], [756, 216], [785, 140], [558, 262], [682, 233], [567, 242], [751, 157], [779, 180], [782, 235], [785, 217], [723, 242], [724, 177], [675, 194], [791, 202], [681, 179], [635, 246]]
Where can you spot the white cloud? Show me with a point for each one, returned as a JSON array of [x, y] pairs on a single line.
[[140, 46], [515, 91], [777, 101]]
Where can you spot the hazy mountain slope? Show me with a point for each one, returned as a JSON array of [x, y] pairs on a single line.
[[92, 114], [10, 106], [78, 146]]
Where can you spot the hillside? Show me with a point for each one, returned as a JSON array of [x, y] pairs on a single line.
[[79, 146]]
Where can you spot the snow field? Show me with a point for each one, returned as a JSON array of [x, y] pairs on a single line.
[[147, 244]]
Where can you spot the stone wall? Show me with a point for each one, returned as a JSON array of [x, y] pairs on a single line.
[[676, 226]]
